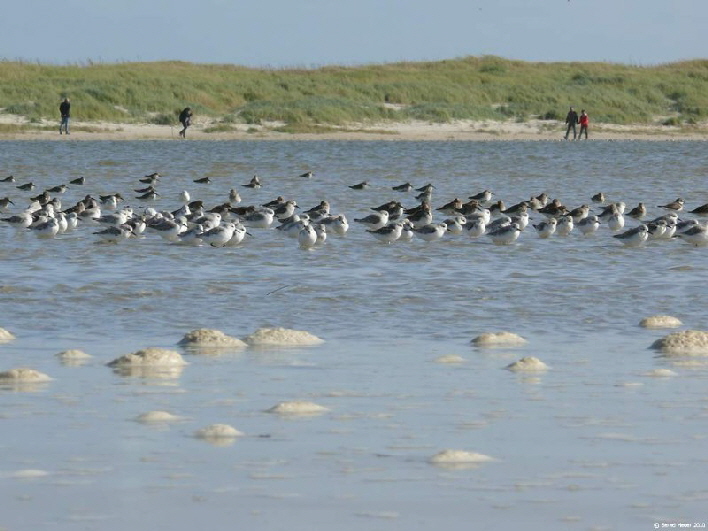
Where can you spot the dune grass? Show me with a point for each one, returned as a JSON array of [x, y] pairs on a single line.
[[466, 88]]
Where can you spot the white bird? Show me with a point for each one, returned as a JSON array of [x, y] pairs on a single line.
[[191, 236], [307, 237], [218, 236], [114, 234], [389, 233], [184, 196], [234, 196], [505, 235], [431, 232], [46, 229], [375, 221], [565, 226], [476, 227], [615, 222], [239, 234], [589, 225], [546, 229], [634, 237], [456, 225], [22, 220], [321, 233], [260, 219], [697, 235]]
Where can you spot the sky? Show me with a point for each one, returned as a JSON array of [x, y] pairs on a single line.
[[314, 33]]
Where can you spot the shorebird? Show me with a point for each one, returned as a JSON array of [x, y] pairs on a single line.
[[58, 189], [234, 196], [255, 182], [389, 233], [150, 179], [482, 197], [26, 187], [9, 179], [78, 180], [697, 236], [4, 202], [431, 232], [475, 227], [307, 174], [615, 222], [505, 235], [546, 229], [701, 210], [451, 208], [589, 225], [363, 185], [634, 237], [638, 211], [374, 221], [405, 187], [115, 234], [565, 226], [599, 197], [203, 180], [307, 237], [674, 205]]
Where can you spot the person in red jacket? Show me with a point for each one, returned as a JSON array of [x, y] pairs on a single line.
[[584, 120]]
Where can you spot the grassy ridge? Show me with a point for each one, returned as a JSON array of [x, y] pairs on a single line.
[[467, 88]]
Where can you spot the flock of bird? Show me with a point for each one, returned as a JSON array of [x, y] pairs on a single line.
[[227, 224]]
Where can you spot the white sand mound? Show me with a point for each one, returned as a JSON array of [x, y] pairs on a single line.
[[73, 355], [529, 363], [23, 375], [29, 473], [660, 321], [685, 343], [660, 373], [282, 337], [499, 339], [454, 457], [157, 417], [211, 338], [297, 407], [218, 431], [5, 335], [151, 357], [449, 358]]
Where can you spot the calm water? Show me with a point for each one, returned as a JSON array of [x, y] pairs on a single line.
[[593, 443]]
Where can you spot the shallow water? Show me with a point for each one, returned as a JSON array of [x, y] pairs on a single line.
[[593, 443]]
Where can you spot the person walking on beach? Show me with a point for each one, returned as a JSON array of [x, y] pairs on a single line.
[[571, 119], [185, 118], [584, 120], [65, 111]]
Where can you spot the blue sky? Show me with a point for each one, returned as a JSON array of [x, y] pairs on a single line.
[[310, 33]]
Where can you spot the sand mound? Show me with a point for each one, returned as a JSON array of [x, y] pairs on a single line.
[[218, 431], [23, 375], [660, 321], [297, 407], [454, 457], [498, 339], [157, 417], [211, 338], [282, 337], [660, 373], [685, 343], [150, 356], [449, 358], [529, 363], [73, 355], [6, 335]]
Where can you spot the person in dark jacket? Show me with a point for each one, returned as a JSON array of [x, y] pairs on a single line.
[[65, 111], [571, 119], [185, 118]]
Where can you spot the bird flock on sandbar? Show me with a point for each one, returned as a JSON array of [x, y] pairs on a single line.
[[227, 224]]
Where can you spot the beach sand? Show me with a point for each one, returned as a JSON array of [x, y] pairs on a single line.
[[456, 130]]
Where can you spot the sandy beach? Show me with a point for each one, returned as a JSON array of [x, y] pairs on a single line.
[[487, 130]]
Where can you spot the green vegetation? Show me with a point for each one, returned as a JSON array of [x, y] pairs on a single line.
[[467, 88]]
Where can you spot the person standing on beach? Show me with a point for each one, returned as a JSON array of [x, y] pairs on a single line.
[[65, 111], [584, 120], [185, 118], [571, 119]]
